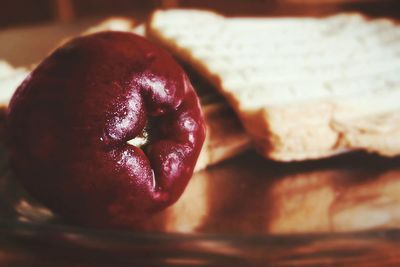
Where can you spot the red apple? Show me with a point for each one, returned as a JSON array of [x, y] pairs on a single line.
[[70, 121]]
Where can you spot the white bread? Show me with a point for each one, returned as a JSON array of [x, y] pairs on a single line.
[[123, 24], [5, 69], [303, 87], [10, 79], [225, 137], [113, 24]]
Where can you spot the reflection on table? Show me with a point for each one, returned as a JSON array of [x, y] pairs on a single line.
[[249, 194]]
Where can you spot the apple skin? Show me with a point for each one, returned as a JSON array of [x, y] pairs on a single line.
[[69, 122]]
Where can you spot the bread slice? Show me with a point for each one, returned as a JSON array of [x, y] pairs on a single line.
[[9, 81], [225, 136], [5, 69], [113, 24], [303, 88]]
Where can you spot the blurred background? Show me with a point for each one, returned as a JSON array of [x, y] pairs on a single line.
[[27, 12], [48, 23]]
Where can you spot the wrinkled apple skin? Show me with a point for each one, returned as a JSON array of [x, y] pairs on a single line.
[[69, 122]]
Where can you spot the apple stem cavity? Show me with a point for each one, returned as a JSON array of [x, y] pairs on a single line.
[[141, 140]]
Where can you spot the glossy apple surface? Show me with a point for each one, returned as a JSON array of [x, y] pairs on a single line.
[[69, 123]]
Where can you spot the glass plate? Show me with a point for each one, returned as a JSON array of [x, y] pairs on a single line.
[[245, 212]]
